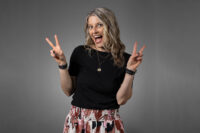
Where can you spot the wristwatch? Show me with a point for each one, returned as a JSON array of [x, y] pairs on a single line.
[[130, 71], [63, 66]]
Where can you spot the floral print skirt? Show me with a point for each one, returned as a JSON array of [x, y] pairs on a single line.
[[81, 120]]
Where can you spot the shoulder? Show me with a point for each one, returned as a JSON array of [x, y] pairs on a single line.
[[80, 51], [77, 49], [80, 48], [126, 55]]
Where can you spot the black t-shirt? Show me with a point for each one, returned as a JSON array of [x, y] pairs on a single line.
[[95, 90]]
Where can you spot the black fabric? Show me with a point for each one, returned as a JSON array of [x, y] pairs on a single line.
[[95, 90]]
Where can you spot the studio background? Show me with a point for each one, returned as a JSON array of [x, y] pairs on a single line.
[[166, 87]]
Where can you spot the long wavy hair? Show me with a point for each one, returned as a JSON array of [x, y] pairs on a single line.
[[111, 33]]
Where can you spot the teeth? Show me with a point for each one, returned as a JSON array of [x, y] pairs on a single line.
[[97, 36]]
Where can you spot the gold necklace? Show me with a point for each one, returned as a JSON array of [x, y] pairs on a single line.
[[99, 68]]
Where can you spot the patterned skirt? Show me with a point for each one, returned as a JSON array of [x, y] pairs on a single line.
[[81, 120]]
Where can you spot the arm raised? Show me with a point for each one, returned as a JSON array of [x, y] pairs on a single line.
[[68, 83]]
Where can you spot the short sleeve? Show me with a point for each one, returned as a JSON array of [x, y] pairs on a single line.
[[74, 63]]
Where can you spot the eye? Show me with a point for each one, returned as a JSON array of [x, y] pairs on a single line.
[[99, 25], [89, 27]]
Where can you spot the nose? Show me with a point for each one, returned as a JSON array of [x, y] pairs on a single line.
[[95, 30]]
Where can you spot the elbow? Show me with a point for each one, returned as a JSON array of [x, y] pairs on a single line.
[[67, 92], [122, 101]]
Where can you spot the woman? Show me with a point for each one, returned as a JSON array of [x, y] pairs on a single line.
[[100, 76]]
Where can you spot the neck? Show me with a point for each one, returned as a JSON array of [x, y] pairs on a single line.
[[99, 48]]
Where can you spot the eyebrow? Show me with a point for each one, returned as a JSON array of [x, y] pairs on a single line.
[[97, 23]]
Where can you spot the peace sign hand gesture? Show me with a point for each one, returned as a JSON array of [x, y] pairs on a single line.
[[57, 52], [136, 58]]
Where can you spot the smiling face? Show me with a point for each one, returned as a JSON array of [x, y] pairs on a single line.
[[96, 31]]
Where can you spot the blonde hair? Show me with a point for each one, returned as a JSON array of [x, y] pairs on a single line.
[[111, 33]]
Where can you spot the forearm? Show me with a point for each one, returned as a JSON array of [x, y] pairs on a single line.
[[125, 90], [66, 81]]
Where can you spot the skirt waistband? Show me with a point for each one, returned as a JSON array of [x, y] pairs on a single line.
[[94, 113]]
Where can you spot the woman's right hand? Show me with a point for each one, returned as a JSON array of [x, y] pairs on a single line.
[[57, 52]]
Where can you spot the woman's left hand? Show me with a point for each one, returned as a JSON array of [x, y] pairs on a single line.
[[136, 58]]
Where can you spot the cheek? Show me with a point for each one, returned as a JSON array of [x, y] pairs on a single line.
[[102, 30], [90, 34]]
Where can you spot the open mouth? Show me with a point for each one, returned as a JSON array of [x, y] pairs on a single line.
[[98, 39]]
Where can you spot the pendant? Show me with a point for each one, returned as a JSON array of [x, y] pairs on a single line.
[[99, 69]]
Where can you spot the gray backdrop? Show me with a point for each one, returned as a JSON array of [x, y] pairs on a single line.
[[166, 87]]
